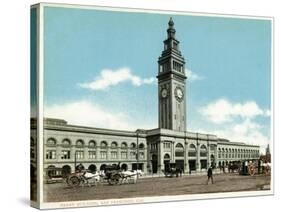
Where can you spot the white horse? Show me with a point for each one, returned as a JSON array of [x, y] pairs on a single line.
[[132, 176], [92, 178]]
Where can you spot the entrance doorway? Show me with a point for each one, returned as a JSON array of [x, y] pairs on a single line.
[[154, 164], [66, 170], [180, 164], [203, 164], [166, 162], [192, 165]]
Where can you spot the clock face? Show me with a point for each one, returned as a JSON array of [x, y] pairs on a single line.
[[179, 93], [164, 93]]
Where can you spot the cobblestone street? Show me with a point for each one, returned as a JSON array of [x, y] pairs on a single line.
[[157, 187]]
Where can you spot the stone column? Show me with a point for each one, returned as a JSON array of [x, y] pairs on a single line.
[[58, 153], [186, 164], [118, 153], [145, 163], [108, 154], [198, 164], [86, 154], [98, 153], [72, 157], [160, 158]]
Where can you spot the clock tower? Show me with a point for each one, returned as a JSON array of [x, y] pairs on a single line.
[[171, 84]]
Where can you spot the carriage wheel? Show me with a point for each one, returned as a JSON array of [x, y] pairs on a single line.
[[114, 179], [73, 181]]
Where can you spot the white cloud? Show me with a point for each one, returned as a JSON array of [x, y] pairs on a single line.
[[221, 111], [236, 121], [192, 76], [85, 113], [108, 78], [267, 113], [246, 131]]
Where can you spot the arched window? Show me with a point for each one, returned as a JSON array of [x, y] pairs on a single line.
[[192, 147], [133, 145], [203, 151], [66, 170], [124, 167], [102, 167], [66, 142], [124, 145], [51, 171], [92, 144], [80, 143], [192, 150], [103, 144], [219, 153], [51, 142], [114, 144], [222, 154], [179, 145], [92, 168], [166, 156], [203, 147], [179, 151], [141, 146]]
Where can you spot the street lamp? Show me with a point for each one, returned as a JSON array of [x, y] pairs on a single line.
[[137, 156]]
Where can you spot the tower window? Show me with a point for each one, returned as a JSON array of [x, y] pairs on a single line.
[[160, 68], [177, 66], [165, 67], [175, 46]]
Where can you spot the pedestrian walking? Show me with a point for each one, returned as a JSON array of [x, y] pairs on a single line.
[[210, 175]]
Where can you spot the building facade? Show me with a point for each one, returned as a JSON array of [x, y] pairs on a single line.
[[67, 146]]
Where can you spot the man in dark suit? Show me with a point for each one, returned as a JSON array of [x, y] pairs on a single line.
[[210, 175]]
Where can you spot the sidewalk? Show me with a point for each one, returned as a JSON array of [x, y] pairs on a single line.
[[193, 173]]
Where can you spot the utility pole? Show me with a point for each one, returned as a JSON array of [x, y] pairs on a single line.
[[75, 160], [137, 150]]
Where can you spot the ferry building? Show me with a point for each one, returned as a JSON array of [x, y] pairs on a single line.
[[66, 146]]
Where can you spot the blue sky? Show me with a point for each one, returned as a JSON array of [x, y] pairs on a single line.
[[100, 67]]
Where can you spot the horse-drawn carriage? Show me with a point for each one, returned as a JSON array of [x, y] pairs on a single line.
[[110, 173], [172, 169]]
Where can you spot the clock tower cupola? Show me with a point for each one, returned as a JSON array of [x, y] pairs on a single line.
[[171, 84]]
